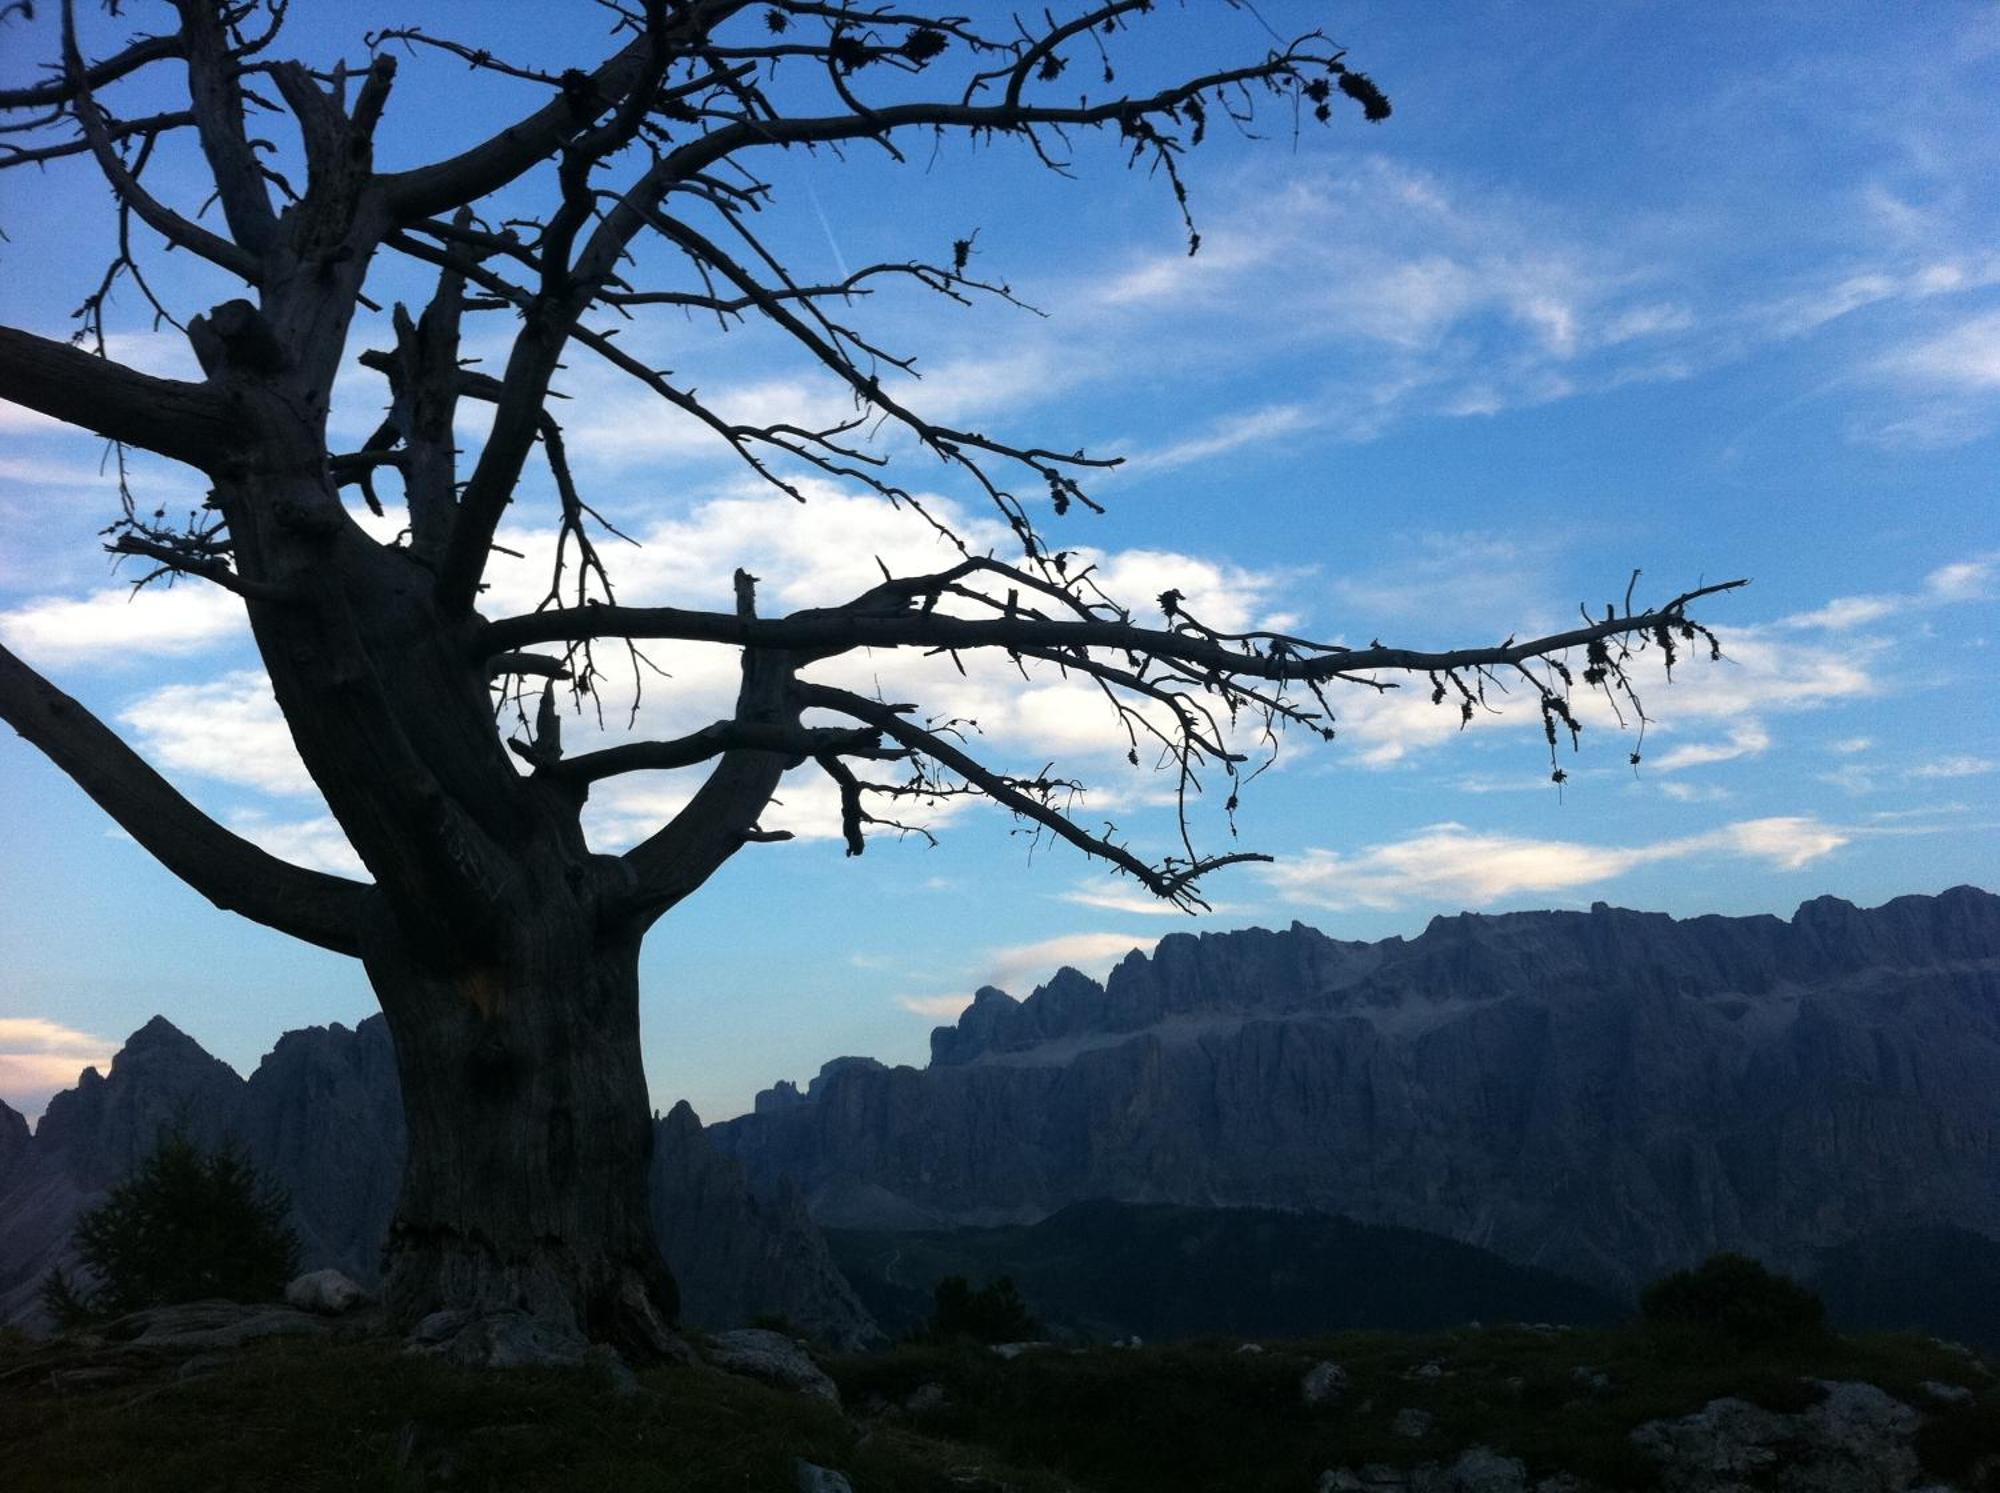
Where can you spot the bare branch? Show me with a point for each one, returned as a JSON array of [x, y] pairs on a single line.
[[226, 869], [188, 422]]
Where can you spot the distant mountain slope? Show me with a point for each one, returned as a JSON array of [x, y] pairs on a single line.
[[323, 1116], [1607, 1094], [1110, 1270]]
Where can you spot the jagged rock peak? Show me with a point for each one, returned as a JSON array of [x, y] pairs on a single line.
[[160, 1036], [1469, 956], [681, 1121], [832, 1070]]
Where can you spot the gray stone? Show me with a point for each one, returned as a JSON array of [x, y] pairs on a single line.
[[1250, 1348], [208, 1325], [811, 1478], [327, 1292], [758, 1353], [605, 1359], [925, 1398], [1855, 1440], [1323, 1384], [499, 1340], [1480, 1469], [1593, 1379], [1011, 1351], [1413, 1423], [1947, 1394]]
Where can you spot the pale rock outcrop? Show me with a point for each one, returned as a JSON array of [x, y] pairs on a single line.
[[326, 1292], [1322, 1384], [1857, 1439], [773, 1358]]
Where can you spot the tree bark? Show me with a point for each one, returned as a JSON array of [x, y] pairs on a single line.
[[530, 1142]]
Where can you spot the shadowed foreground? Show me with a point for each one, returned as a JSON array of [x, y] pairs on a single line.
[[310, 1415]]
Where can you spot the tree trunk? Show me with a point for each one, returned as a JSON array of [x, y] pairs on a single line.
[[525, 1190]]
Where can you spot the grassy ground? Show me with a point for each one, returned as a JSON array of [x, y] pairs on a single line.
[[314, 1415]]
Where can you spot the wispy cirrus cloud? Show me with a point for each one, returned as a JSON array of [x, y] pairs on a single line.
[[1451, 862]]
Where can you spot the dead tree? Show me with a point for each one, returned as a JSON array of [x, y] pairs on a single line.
[[503, 949]]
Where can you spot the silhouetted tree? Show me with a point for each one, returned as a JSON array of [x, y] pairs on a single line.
[[1736, 1296], [995, 1313], [503, 950], [187, 1225]]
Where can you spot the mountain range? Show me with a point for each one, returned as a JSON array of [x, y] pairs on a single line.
[[1597, 1096], [1606, 1094], [322, 1115]]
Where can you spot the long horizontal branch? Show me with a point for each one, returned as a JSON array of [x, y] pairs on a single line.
[[225, 868], [829, 632], [795, 742], [188, 422]]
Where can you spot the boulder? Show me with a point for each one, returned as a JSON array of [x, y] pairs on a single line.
[[809, 1477], [208, 1325], [1323, 1384], [326, 1292], [1857, 1439], [758, 1353]]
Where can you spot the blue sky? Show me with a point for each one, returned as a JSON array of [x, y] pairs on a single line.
[[1612, 290]]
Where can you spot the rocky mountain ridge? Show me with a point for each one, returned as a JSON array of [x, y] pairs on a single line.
[[322, 1115], [1609, 1094]]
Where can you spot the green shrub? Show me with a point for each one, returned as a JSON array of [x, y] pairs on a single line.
[[188, 1225], [1736, 1296], [994, 1313]]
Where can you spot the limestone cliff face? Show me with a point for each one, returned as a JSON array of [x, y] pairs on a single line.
[[1609, 1093], [14, 1141], [738, 1255], [322, 1115]]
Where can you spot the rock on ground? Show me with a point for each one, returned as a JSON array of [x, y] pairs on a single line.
[[812, 1478], [327, 1292], [1324, 1383], [758, 1353], [1856, 1440], [208, 1325]]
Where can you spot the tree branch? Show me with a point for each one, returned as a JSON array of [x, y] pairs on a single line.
[[1175, 881], [795, 743], [188, 422], [225, 868], [822, 634]]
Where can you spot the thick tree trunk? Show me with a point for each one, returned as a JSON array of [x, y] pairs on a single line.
[[530, 1143]]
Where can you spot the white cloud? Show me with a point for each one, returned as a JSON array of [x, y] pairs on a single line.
[[1746, 740], [935, 1007], [39, 1057], [1954, 767], [118, 622], [1846, 611], [1963, 580], [318, 842], [1451, 863], [1107, 898], [1695, 793], [1967, 357], [228, 729]]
